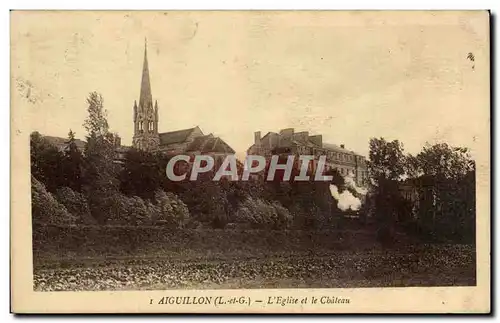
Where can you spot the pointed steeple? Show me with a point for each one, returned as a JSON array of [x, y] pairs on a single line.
[[146, 98], [135, 110], [146, 135]]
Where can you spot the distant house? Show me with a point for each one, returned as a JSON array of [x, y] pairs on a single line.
[[61, 143]]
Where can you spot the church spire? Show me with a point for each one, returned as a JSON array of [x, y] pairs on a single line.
[[145, 114], [146, 99]]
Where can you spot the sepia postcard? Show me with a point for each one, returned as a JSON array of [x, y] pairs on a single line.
[[250, 161]]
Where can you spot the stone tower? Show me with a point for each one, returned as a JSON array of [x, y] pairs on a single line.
[[145, 114]]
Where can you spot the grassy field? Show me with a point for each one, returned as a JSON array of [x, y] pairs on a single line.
[[211, 260]]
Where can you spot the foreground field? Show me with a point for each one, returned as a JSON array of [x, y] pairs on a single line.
[[423, 265]]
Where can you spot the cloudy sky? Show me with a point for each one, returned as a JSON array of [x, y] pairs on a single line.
[[347, 76]]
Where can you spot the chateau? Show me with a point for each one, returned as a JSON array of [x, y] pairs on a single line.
[[185, 141], [289, 142]]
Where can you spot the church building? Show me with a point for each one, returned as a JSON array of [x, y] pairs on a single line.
[[147, 137]]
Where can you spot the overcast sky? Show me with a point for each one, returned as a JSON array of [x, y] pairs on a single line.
[[347, 76]]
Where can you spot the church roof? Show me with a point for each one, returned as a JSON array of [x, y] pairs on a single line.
[[209, 143], [172, 137]]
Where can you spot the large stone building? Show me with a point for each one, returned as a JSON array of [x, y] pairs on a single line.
[[186, 141], [289, 142]]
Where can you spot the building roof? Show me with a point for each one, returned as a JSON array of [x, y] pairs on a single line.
[[199, 143], [308, 143], [172, 137], [123, 149], [337, 148], [269, 133], [209, 143], [60, 142]]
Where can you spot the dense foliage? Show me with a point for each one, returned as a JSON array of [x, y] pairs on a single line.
[[430, 195]]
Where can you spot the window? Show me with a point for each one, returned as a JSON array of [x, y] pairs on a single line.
[[140, 126]]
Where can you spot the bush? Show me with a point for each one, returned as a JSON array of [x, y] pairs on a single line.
[[207, 202], [305, 217], [261, 214], [166, 209], [283, 219], [45, 208], [170, 210], [131, 211], [76, 204]]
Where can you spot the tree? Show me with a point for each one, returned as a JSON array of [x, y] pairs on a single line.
[[171, 210], [141, 174], [446, 182], [206, 200], [386, 167], [101, 184], [386, 159], [76, 204], [45, 208], [73, 164], [444, 161], [96, 123], [46, 162]]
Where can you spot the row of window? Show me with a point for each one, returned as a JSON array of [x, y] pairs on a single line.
[[347, 171], [150, 126], [329, 154]]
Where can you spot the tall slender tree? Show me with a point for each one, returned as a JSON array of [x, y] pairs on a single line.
[[386, 167], [73, 163], [101, 184]]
